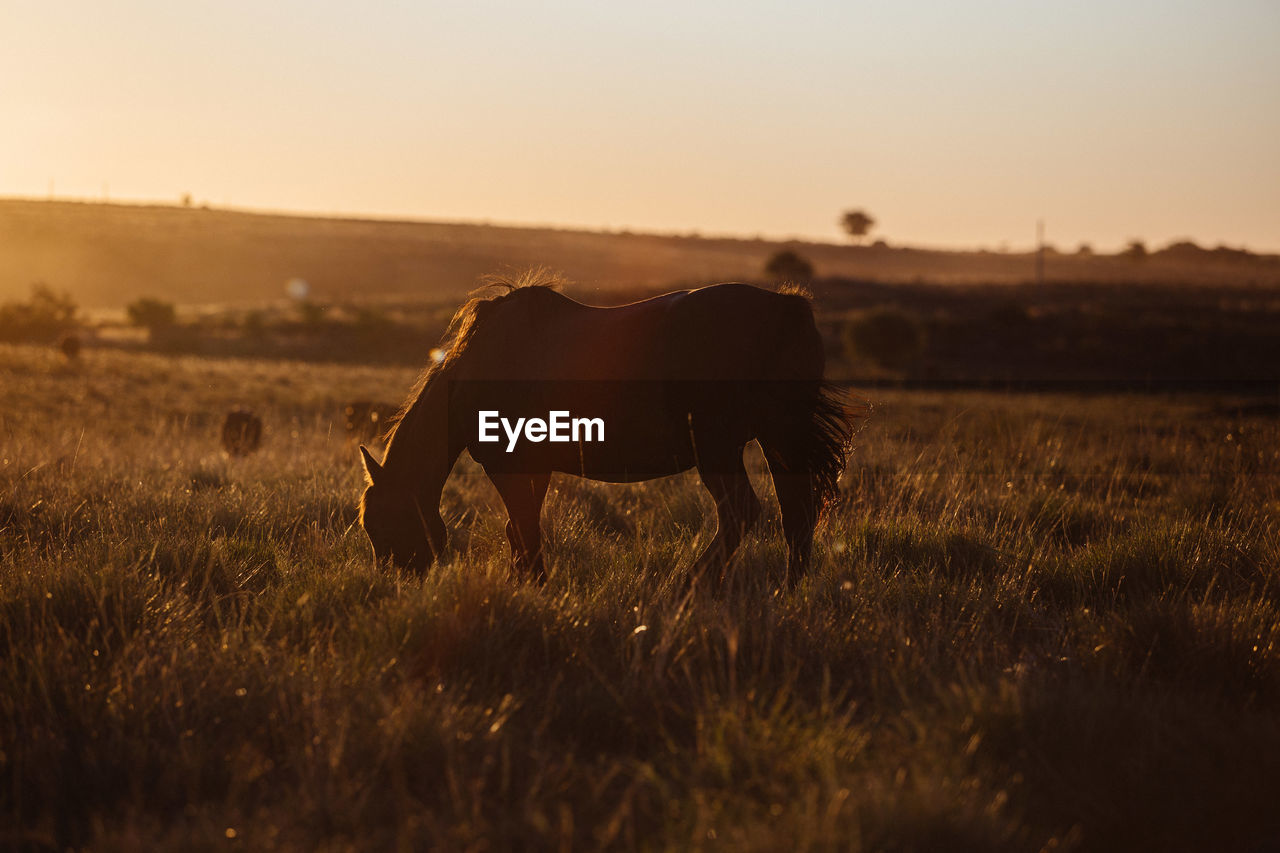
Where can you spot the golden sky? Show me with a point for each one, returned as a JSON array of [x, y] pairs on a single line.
[[953, 123]]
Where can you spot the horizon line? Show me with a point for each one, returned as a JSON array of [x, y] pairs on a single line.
[[1002, 248]]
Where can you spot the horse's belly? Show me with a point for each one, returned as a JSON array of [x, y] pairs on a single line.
[[625, 465]]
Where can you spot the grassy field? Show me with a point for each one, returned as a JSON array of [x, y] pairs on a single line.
[[1034, 622]]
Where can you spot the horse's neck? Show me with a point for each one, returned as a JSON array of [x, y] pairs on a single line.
[[419, 447]]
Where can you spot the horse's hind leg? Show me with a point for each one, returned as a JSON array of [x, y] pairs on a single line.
[[523, 494], [737, 511], [798, 499]]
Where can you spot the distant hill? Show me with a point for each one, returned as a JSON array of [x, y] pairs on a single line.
[[108, 254]]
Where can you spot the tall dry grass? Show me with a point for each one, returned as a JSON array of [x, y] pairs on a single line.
[[1033, 623]]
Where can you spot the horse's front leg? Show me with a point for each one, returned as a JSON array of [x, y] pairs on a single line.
[[523, 495]]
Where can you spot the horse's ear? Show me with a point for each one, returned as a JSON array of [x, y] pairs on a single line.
[[371, 467]]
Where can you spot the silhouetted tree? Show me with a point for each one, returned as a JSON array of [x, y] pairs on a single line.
[[788, 265], [856, 224], [1136, 250]]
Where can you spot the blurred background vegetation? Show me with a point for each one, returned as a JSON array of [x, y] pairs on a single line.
[[220, 283]]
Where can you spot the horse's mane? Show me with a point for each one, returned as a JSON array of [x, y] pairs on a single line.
[[790, 288], [493, 290]]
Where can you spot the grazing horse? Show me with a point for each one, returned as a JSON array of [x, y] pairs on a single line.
[[679, 381]]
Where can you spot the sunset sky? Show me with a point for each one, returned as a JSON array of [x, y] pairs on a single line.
[[955, 124]]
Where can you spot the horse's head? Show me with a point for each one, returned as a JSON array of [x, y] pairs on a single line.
[[393, 519]]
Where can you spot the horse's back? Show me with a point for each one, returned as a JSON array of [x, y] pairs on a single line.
[[541, 334], [742, 332], [724, 331]]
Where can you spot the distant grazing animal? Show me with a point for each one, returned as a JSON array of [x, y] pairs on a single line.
[[679, 381], [241, 432], [367, 420], [69, 344]]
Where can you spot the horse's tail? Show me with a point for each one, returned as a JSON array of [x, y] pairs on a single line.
[[813, 433], [810, 421]]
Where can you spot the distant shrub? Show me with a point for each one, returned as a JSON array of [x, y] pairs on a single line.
[[1136, 250], [887, 336], [1182, 249], [1224, 252], [788, 265], [1187, 250], [151, 313], [43, 317]]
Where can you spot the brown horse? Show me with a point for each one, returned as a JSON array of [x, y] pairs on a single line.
[[680, 381]]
